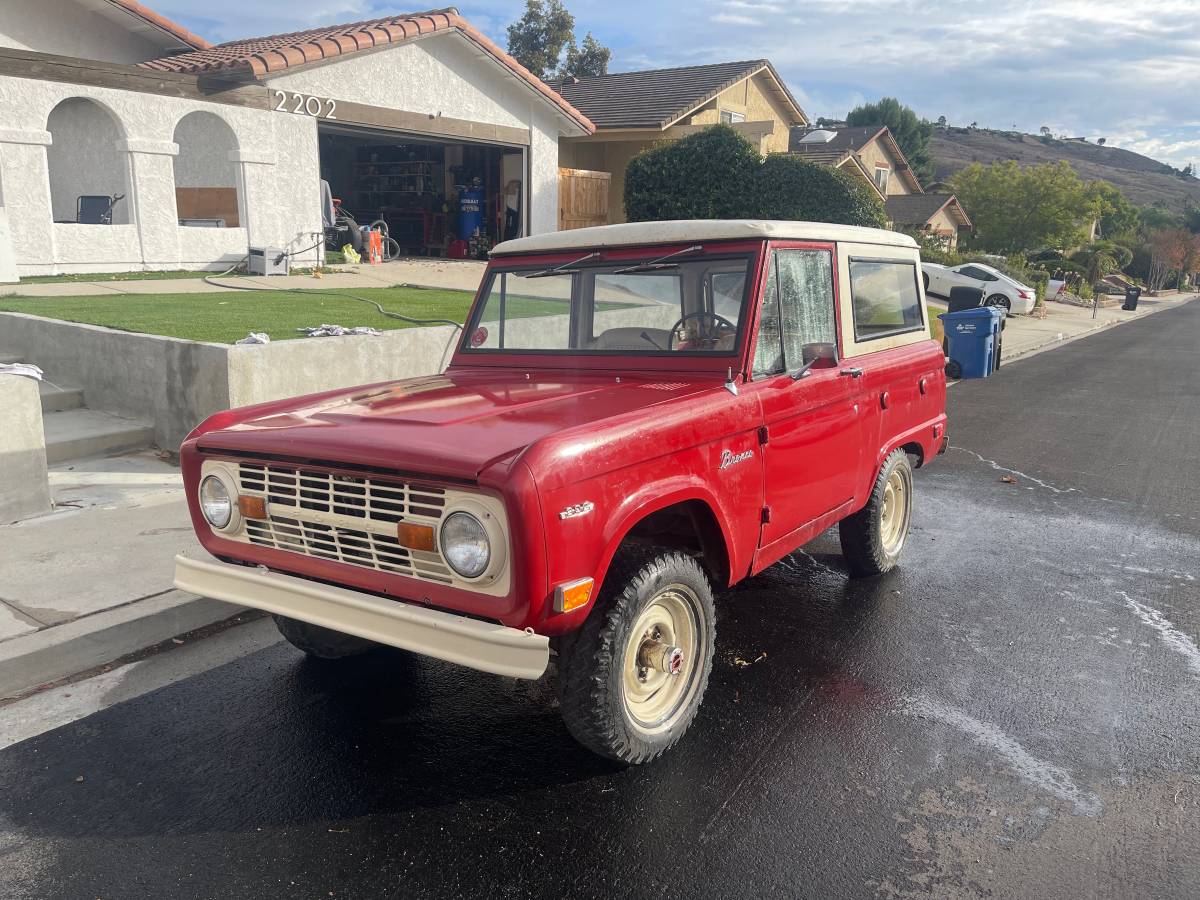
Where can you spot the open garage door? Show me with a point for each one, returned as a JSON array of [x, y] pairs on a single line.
[[436, 197]]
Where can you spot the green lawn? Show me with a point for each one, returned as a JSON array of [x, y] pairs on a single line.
[[114, 276], [226, 317]]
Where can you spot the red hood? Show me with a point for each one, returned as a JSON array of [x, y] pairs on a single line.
[[453, 426]]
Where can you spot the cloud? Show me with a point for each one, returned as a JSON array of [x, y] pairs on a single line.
[[1108, 68]]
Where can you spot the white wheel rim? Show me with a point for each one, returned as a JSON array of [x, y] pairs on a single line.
[[896, 511], [661, 664]]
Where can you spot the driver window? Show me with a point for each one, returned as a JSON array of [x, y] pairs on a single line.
[[797, 309]]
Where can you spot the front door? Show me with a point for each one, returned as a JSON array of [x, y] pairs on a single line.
[[811, 454]]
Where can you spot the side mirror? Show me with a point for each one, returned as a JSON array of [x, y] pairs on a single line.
[[817, 355]]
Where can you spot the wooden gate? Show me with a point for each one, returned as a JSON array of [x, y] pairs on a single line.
[[582, 198]]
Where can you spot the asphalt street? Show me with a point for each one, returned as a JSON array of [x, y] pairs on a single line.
[[1013, 713]]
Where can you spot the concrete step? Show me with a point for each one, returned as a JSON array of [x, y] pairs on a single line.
[[77, 433], [58, 399]]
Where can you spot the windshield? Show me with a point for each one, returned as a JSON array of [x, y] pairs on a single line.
[[692, 306]]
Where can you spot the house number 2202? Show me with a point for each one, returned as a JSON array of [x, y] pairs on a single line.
[[305, 105]]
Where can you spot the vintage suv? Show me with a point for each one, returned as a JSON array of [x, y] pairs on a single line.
[[634, 415]]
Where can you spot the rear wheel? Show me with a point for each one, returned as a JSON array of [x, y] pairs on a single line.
[[873, 537], [999, 301], [632, 678], [323, 643]]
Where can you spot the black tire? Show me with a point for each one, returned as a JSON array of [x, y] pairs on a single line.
[[1001, 302], [592, 661], [925, 279], [953, 369], [323, 643], [867, 542], [353, 234]]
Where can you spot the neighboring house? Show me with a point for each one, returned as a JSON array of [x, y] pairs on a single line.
[[940, 215], [633, 110], [871, 153], [216, 149]]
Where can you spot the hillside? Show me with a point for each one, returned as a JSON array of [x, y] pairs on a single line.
[[1142, 180]]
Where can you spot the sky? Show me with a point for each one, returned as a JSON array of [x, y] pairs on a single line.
[[1125, 70]]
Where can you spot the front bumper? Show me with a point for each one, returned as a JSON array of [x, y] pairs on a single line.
[[485, 646]]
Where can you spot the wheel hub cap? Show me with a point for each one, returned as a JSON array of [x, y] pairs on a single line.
[[660, 672]]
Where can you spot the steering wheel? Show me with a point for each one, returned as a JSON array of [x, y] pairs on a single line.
[[706, 334]]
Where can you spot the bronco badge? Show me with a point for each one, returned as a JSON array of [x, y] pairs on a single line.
[[729, 458]]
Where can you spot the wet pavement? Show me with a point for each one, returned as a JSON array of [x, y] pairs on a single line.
[[1013, 713]]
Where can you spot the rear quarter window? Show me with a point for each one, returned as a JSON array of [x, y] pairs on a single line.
[[885, 298]]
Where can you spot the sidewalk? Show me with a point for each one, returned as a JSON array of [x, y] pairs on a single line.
[[456, 274], [91, 581], [1024, 335]]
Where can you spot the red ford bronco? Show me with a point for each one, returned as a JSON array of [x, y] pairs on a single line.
[[634, 415]]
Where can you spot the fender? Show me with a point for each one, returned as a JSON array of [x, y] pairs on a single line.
[[927, 435], [660, 495]]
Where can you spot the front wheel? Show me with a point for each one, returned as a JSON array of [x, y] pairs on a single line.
[[632, 678], [873, 537]]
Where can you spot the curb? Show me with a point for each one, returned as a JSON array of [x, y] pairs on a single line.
[[32, 660]]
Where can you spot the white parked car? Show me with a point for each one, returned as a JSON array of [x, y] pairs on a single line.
[[998, 289]]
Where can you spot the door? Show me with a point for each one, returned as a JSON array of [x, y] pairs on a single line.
[[582, 198], [811, 454]]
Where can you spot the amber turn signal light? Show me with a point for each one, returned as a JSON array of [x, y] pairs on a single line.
[[572, 595], [415, 537], [252, 507]]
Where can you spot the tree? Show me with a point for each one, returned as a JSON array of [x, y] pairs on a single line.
[[911, 133], [590, 59], [1016, 210], [718, 174], [543, 41], [1117, 215], [941, 121], [1173, 252], [1045, 130], [1101, 141]]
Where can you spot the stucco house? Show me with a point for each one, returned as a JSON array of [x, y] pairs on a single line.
[[128, 143], [632, 110], [871, 153]]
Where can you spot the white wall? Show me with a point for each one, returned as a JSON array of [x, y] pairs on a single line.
[[66, 28], [275, 166], [205, 143]]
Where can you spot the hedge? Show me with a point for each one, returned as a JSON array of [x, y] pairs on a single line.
[[718, 174]]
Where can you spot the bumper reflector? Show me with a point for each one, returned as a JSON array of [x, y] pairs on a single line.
[[252, 507], [572, 595], [416, 537]]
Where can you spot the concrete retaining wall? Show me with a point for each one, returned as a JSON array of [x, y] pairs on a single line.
[[175, 384], [24, 487]]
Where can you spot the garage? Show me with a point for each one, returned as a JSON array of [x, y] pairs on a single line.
[[428, 196]]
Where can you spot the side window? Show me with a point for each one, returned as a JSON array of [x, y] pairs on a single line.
[[797, 309], [885, 298]]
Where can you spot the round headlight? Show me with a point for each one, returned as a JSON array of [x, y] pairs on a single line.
[[465, 544], [215, 502]]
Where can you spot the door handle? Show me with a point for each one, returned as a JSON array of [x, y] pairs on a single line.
[[851, 373]]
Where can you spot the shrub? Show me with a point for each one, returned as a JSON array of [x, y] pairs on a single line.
[[790, 188], [718, 174], [708, 175]]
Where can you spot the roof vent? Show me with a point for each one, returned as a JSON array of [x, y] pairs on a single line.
[[820, 136]]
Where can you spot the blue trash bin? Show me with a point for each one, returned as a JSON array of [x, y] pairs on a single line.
[[972, 338]]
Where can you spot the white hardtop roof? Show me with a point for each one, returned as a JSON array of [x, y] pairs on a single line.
[[633, 234]]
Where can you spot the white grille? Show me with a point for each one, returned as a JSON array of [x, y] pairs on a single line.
[[347, 518]]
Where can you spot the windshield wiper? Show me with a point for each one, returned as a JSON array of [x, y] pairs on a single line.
[[660, 263], [564, 268]]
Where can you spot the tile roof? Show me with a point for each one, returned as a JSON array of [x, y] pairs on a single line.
[[266, 56], [149, 16], [657, 98], [917, 209]]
